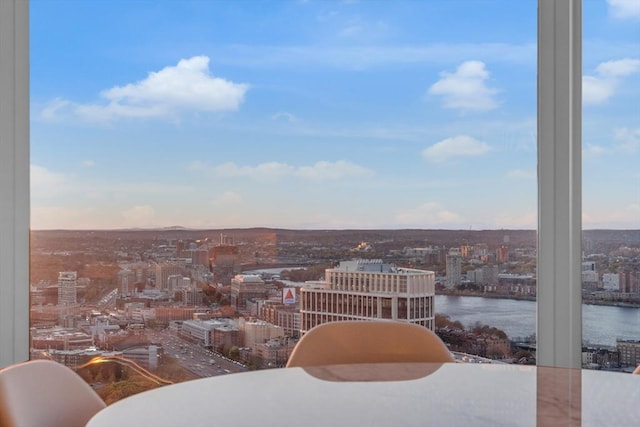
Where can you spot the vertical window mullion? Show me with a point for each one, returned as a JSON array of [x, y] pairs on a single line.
[[559, 317]]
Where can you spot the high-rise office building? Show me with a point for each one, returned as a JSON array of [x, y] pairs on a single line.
[[67, 288], [166, 269], [369, 290], [453, 268], [126, 281]]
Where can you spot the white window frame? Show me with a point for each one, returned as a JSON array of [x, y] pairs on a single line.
[[559, 320], [559, 300]]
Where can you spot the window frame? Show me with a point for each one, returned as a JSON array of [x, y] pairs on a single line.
[[559, 294], [559, 182], [14, 181]]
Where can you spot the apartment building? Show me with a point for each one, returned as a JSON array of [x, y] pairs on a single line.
[[368, 290]]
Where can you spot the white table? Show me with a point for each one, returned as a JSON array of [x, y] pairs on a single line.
[[395, 395]]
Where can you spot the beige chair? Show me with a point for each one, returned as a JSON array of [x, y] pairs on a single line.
[[45, 393], [351, 342]]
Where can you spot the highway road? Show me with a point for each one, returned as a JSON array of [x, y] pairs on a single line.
[[198, 360]]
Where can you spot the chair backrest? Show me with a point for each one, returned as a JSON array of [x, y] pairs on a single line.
[[349, 342], [45, 393]]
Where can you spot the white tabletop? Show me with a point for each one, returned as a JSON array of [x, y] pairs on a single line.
[[384, 395]]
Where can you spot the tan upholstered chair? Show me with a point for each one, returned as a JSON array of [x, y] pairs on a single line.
[[368, 342], [45, 393]]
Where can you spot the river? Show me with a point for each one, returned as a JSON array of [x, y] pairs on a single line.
[[600, 324]]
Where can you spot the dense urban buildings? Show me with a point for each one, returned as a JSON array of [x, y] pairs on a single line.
[[139, 295]]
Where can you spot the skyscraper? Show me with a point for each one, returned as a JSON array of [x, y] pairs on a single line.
[[454, 268], [67, 288]]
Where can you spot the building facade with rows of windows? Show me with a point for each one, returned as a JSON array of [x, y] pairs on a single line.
[[369, 290]]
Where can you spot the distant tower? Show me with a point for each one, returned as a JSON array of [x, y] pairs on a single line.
[[67, 288], [166, 269], [179, 248], [454, 268], [502, 254], [126, 279], [226, 240]]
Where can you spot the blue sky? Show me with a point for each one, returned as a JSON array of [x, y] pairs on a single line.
[[316, 114]]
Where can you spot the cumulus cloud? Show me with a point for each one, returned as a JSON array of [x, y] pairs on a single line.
[[466, 89], [320, 171], [185, 87], [598, 88], [429, 214], [457, 146], [619, 68], [624, 8]]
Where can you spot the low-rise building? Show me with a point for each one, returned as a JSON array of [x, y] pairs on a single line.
[[629, 352]]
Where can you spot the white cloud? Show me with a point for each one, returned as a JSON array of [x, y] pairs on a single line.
[[624, 8], [269, 170], [51, 110], [139, 216], [185, 87], [320, 171], [286, 116], [458, 146], [88, 164], [619, 68], [627, 140], [466, 89], [598, 88], [429, 215], [522, 174], [327, 171]]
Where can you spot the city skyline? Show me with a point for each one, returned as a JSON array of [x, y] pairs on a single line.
[[320, 115]]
